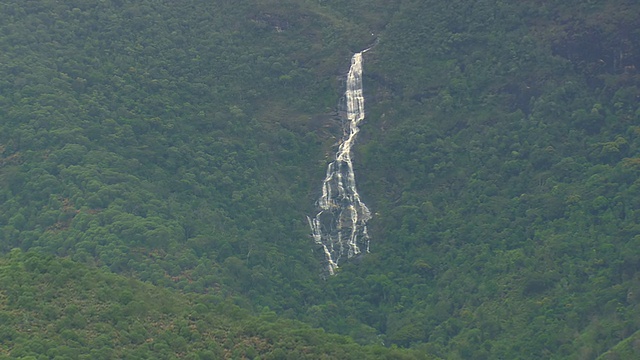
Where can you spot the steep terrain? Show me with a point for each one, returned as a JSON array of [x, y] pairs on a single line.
[[170, 142], [56, 309], [182, 144], [502, 163]]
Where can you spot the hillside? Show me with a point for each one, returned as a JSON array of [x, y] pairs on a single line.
[[56, 309], [177, 148], [502, 162], [170, 142]]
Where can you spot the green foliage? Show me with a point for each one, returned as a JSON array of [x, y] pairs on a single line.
[[158, 140], [183, 144], [502, 176], [58, 308]]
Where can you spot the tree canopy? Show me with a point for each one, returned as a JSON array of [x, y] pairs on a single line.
[[158, 160]]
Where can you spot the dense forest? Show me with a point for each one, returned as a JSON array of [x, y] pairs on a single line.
[[59, 309], [158, 160]]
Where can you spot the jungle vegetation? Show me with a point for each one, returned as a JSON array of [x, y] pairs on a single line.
[[158, 160]]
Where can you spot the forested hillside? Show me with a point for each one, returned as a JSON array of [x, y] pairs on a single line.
[[57, 309], [503, 162], [182, 144], [170, 142]]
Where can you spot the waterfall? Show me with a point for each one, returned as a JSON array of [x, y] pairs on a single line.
[[340, 226]]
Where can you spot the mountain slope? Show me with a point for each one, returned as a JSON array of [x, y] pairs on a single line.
[[183, 144], [171, 141], [55, 308], [501, 161]]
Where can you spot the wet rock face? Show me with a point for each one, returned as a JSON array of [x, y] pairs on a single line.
[[340, 227]]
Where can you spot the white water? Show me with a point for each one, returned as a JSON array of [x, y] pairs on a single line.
[[340, 226]]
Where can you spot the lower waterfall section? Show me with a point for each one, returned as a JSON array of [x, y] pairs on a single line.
[[340, 226]]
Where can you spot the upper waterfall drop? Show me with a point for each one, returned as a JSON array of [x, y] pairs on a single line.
[[340, 226]]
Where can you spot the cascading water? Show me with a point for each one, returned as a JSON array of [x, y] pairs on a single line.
[[340, 226]]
